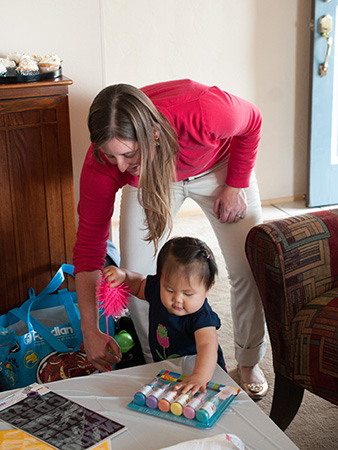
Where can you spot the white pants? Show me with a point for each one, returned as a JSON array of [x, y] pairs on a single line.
[[138, 255]]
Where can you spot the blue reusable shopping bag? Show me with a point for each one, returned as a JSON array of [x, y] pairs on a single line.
[[41, 340]]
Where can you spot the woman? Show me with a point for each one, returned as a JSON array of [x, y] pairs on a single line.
[[162, 144]]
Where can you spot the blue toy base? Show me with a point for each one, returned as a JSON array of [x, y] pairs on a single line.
[[212, 389]]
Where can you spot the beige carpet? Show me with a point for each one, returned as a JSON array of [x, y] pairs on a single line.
[[316, 423]]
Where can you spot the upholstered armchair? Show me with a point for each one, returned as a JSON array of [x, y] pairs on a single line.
[[295, 265]]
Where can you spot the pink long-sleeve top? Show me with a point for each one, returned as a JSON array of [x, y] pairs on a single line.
[[210, 124]]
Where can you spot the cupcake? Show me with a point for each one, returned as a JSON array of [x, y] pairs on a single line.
[[27, 66], [36, 58], [3, 68], [14, 56], [49, 63], [8, 63]]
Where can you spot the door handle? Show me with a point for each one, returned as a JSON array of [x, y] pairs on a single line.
[[325, 28]]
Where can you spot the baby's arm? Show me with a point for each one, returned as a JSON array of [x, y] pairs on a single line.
[[135, 281], [206, 360]]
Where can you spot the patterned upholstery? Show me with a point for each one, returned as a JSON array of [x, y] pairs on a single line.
[[295, 265]]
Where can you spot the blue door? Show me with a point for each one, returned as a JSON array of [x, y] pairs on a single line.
[[323, 161]]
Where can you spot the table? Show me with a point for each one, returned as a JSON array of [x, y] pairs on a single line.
[[109, 394]]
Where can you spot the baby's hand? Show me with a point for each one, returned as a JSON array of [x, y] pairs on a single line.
[[192, 383], [114, 275]]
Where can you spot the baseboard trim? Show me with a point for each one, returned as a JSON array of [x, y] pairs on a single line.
[[276, 201]]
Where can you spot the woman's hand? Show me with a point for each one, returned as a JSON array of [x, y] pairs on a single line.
[[113, 275], [95, 342], [102, 354], [230, 205]]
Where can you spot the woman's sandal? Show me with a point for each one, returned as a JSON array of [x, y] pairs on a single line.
[[254, 390]]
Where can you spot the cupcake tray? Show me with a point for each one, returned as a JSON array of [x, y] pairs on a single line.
[[13, 77]]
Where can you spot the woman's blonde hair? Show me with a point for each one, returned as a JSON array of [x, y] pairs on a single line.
[[124, 112]]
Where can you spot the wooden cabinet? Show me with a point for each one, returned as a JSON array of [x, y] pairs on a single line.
[[37, 213]]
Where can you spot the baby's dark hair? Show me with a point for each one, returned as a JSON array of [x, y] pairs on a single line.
[[188, 256]]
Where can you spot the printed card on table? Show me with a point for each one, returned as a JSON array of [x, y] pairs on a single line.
[[56, 420]]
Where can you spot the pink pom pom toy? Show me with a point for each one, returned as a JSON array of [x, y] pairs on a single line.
[[113, 300]]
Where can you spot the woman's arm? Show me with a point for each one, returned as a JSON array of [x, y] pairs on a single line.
[[205, 364], [98, 186], [95, 342], [230, 117]]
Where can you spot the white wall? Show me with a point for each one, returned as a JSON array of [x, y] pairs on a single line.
[[256, 49]]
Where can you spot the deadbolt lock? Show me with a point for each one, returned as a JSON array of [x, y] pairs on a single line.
[[325, 24]]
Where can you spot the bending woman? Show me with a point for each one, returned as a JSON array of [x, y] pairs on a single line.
[[164, 143]]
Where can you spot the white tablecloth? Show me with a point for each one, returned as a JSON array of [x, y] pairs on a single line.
[[110, 393]]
